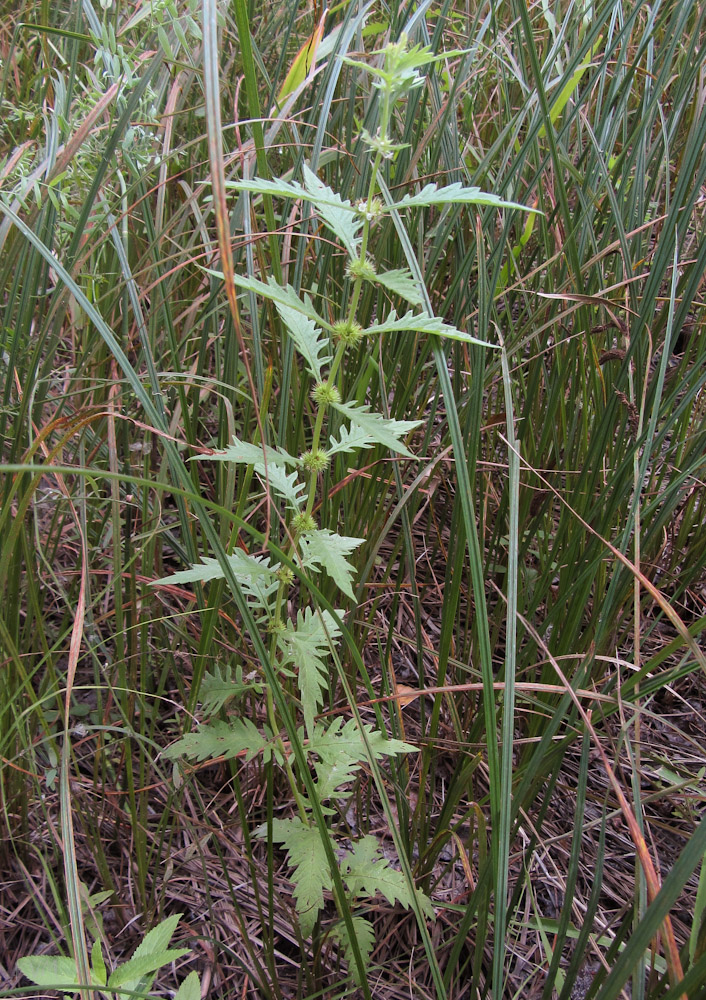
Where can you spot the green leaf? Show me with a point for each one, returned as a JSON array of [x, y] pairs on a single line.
[[99, 972], [304, 61], [130, 974], [293, 189], [247, 453], [400, 282], [366, 873], [342, 751], [422, 323], [365, 936], [307, 856], [157, 939], [332, 775], [52, 971], [455, 194], [385, 432], [324, 548], [222, 739], [152, 953], [341, 741], [221, 684], [399, 70], [286, 484], [336, 213], [254, 574], [307, 646], [270, 289], [190, 989], [349, 439], [275, 475], [308, 338]]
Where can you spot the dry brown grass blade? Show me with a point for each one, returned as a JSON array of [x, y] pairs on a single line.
[[653, 591], [78, 932], [651, 877], [676, 973], [405, 694]]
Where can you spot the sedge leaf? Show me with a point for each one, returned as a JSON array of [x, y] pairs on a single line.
[[304, 61]]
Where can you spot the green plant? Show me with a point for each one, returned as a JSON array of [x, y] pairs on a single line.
[[512, 558], [302, 646], [135, 975]]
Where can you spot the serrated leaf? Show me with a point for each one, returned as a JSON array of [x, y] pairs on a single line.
[[270, 289], [341, 752], [400, 66], [338, 741], [221, 684], [158, 938], [377, 427], [324, 548], [306, 645], [422, 323], [307, 856], [131, 973], [308, 338], [190, 989], [54, 971], [349, 439], [247, 453], [455, 194], [336, 213], [275, 475], [286, 484], [290, 189], [366, 873], [400, 282], [253, 573], [331, 776], [151, 954], [364, 935], [222, 739]]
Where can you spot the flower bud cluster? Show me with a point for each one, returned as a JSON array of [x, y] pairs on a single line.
[[301, 523], [348, 331], [360, 268], [326, 393], [315, 461]]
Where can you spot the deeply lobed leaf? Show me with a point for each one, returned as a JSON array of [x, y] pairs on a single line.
[[222, 739]]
